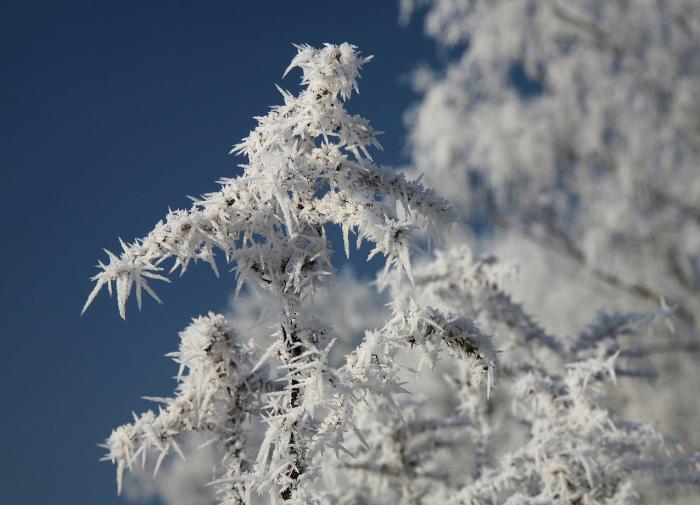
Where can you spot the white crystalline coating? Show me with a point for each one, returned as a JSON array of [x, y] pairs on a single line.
[[333, 69]]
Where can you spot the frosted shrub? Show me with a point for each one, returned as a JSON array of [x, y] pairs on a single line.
[[271, 223]]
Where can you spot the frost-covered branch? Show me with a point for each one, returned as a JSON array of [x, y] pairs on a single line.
[[373, 364], [298, 179], [216, 392], [577, 451]]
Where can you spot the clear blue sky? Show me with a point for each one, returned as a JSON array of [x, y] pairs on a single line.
[[111, 112]]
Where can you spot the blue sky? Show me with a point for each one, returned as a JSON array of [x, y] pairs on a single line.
[[111, 113]]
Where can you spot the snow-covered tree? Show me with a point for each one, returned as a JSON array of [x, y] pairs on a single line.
[[294, 423], [576, 124], [567, 133]]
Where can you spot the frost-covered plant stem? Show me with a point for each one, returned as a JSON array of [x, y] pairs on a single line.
[[293, 349], [271, 222]]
